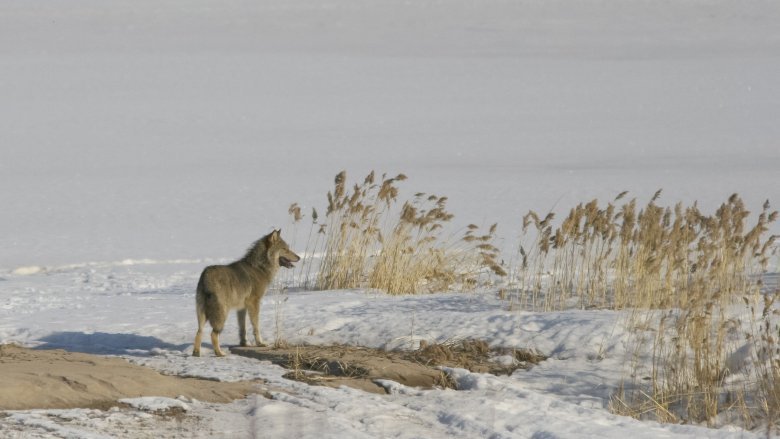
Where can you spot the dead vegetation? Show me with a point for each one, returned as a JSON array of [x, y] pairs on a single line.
[[476, 356], [360, 367], [681, 272], [618, 256], [369, 241]]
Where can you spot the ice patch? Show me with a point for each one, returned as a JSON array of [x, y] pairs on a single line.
[[336, 323], [396, 388], [29, 270], [504, 360], [467, 380], [155, 403], [35, 269], [406, 342], [531, 327], [40, 422]]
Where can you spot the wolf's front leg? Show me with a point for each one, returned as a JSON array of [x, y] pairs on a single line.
[[241, 314], [254, 317]]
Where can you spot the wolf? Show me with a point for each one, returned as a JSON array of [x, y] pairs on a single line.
[[241, 286]]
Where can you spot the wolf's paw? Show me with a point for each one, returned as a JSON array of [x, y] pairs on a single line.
[[196, 353]]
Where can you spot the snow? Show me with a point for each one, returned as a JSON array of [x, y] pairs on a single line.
[[145, 313], [142, 141], [155, 403]]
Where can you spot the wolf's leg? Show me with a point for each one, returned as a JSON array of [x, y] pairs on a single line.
[[217, 323], [199, 334], [215, 341], [254, 316], [241, 314]]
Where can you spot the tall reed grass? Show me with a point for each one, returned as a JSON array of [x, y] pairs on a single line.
[[682, 273], [621, 256], [688, 271], [679, 272], [372, 239]]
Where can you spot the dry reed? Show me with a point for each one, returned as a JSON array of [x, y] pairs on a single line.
[[691, 269], [368, 241], [685, 269], [620, 256]]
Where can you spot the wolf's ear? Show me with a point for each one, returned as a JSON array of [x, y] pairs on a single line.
[[274, 236]]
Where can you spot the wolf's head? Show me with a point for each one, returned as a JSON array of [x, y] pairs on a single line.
[[279, 250]]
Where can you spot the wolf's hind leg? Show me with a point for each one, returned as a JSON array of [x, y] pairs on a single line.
[[216, 314], [199, 334], [241, 314], [215, 341], [217, 324]]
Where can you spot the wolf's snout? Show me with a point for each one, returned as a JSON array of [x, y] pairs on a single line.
[[287, 261]]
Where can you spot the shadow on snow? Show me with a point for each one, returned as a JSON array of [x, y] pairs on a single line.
[[107, 343]]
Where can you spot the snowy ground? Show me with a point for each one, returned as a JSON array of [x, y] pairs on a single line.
[[145, 313], [144, 140]]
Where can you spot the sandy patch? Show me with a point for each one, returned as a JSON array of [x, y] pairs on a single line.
[[42, 379]]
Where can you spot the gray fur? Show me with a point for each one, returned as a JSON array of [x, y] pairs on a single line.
[[240, 286]]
